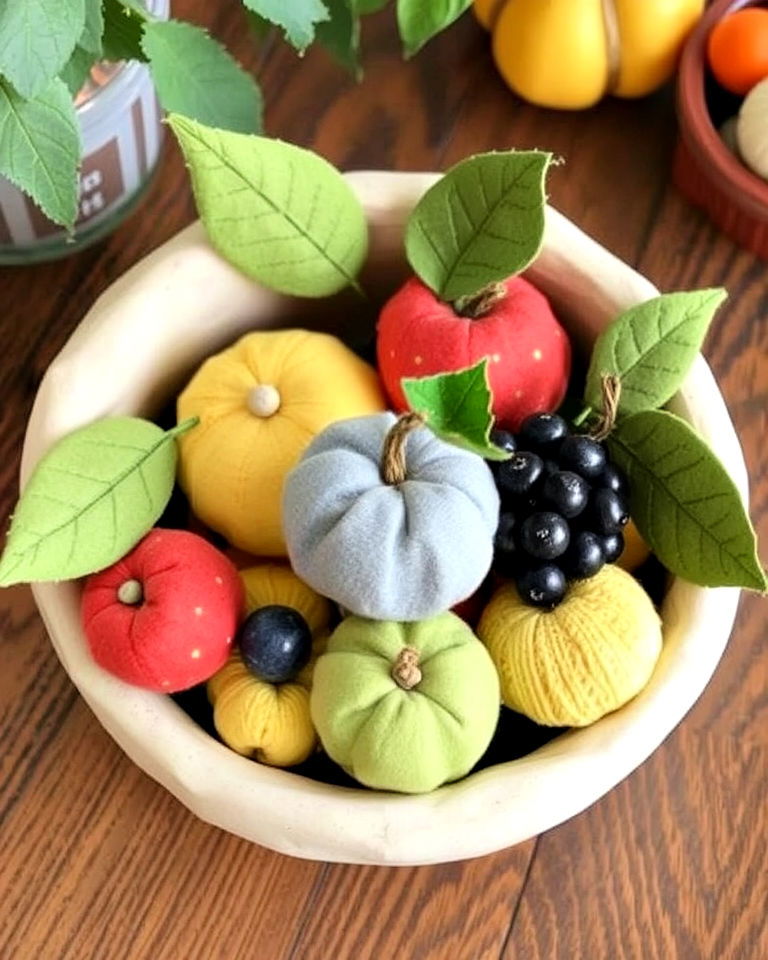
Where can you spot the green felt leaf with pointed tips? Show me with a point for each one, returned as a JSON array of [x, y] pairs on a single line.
[[457, 407], [90, 499]]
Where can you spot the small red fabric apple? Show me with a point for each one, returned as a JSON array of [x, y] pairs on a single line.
[[529, 355], [164, 617]]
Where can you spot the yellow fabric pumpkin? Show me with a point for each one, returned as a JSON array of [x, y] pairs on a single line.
[[636, 551], [270, 722], [569, 666], [260, 402], [568, 54]]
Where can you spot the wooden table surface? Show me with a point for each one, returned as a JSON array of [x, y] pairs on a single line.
[[97, 861]]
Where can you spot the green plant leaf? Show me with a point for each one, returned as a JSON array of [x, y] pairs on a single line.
[[282, 215], [93, 27], [37, 38], [87, 50], [684, 503], [194, 75], [457, 407], [40, 148], [651, 347], [297, 18], [90, 499], [481, 223], [363, 7], [123, 30], [341, 35], [420, 20]]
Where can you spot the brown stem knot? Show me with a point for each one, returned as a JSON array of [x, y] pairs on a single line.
[[405, 669]]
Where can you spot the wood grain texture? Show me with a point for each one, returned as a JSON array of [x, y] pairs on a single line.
[[98, 861]]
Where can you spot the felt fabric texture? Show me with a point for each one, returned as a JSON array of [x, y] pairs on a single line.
[[270, 722], [413, 740], [528, 351], [233, 464], [401, 552], [183, 629], [569, 666], [752, 126]]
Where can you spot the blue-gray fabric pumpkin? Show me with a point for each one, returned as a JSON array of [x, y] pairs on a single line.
[[388, 520]]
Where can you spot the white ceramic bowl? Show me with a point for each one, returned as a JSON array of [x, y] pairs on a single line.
[[135, 348]]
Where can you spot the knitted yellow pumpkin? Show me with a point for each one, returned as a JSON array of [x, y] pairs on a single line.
[[270, 722], [569, 666], [260, 402], [569, 53]]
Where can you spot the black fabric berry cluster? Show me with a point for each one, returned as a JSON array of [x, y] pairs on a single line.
[[563, 507]]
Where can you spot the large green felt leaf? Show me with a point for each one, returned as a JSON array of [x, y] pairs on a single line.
[[340, 35], [684, 502], [481, 223], [282, 215], [90, 500], [37, 38], [457, 407], [194, 75], [651, 347], [123, 30], [40, 148], [297, 18], [420, 20]]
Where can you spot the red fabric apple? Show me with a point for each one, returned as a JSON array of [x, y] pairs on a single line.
[[529, 356], [164, 617]]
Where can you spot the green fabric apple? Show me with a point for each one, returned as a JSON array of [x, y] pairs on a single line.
[[405, 706], [388, 520]]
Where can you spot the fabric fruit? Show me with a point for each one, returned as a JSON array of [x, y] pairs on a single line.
[[752, 129], [528, 350], [568, 666], [568, 54], [391, 525], [165, 616], [270, 721], [737, 50], [405, 706], [260, 402]]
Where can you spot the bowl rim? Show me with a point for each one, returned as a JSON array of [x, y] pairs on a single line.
[[743, 187], [487, 811]]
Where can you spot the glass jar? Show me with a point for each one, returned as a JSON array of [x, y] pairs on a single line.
[[119, 119]]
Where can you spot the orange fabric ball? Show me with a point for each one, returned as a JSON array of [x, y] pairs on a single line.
[[738, 50]]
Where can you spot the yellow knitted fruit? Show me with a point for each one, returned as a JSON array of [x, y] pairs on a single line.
[[270, 722], [569, 53], [636, 551], [260, 402], [569, 666]]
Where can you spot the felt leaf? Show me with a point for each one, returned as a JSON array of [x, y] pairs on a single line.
[[123, 30], [297, 18], [282, 215], [651, 347], [37, 38], [90, 499], [40, 148], [457, 407], [481, 223], [684, 503], [419, 21], [194, 75], [340, 35]]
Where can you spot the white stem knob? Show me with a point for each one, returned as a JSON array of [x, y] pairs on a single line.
[[264, 400]]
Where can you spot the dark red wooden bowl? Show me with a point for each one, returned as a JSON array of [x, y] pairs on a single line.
[[705, 170]]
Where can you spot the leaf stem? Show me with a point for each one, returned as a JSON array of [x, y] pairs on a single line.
[[184, 426], [584, 415]]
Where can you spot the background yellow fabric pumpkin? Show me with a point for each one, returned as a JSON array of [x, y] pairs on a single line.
[[270, 722], [568, 54], [569, 666], [232, 465]]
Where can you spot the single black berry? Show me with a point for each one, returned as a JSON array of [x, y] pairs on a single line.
[[583, 455], [542, 432], [567, 492], [613, 479], [505, 534], [544, 535], [504, 440], [613, 547], [543, 586], [584, 556], [607, 512], [275, 643], [518, 475]]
